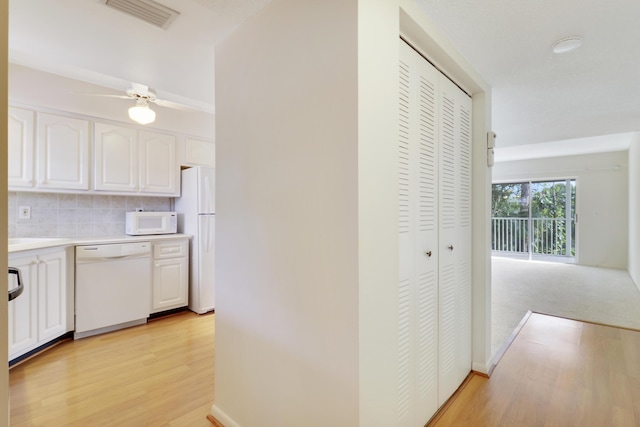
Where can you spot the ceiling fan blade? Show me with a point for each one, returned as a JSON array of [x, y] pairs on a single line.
[[104, 95], [142, 92], [175, 105]]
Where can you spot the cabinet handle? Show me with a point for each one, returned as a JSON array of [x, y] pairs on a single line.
[[428, 254], [450, 247]]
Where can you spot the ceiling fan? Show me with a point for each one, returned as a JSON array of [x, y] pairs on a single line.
[[143, 95]]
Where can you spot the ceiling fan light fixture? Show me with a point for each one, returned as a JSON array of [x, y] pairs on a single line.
[[566, 45], [141, 113]]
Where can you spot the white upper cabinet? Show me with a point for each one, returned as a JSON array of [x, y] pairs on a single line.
[[20, 144], [158, 167], [58, 153], [54, 158], [116, 158], [199, 152], [135, 162], [62, 148]]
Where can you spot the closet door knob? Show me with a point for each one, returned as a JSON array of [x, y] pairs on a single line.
[[450, 247], [428, 254]]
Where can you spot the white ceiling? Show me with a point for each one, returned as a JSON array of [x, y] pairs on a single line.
[[89, 41], [538, 97]]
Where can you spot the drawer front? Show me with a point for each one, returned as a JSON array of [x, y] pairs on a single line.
[[166, 250]]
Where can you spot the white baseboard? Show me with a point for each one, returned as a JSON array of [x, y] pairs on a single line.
[[222, 417], [482, 368]]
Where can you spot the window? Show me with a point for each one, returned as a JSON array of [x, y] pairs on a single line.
[[535, 218]]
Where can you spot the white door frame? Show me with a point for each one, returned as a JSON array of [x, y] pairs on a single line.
[[4, 320]]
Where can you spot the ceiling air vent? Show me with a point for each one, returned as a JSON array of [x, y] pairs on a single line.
[[146, 10]]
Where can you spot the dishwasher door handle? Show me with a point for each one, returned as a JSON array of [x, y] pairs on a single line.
[[15, 293], [90, 260]]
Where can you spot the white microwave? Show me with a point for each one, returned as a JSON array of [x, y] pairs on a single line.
[[143, 223]]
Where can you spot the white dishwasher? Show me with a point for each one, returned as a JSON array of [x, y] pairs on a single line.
[[113, 287]]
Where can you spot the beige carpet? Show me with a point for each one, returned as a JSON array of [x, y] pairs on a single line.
[[591, 294]]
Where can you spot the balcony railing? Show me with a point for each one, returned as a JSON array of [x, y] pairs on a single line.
[[543, 236], [510, 234]]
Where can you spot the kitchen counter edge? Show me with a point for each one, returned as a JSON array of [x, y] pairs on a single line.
[[93, 240]]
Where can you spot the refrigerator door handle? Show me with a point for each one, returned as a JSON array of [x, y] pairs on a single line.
[[207, 194], [206, 235], [209, 235]]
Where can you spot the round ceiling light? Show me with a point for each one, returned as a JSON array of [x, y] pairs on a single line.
[[141, 112], [567, 44]]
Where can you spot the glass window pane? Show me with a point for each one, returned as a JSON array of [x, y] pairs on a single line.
[[510, 200]]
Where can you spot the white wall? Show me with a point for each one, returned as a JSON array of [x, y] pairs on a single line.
[[601, 196], [307, 265], [634, 210], [287, 218], [378, 58]]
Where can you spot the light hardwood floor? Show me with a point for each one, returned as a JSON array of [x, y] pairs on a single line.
[[158, 374], [557, 372]]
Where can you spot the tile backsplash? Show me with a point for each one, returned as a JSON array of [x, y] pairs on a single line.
[[76, 215]]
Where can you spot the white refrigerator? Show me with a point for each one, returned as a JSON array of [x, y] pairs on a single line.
[[196, 216]]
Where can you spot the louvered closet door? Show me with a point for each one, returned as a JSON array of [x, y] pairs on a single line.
[[434, 288], [454, 238], [418, 239]]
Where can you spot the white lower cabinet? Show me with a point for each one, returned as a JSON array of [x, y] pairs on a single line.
[[39, 315], [23, 321], [170, 275]]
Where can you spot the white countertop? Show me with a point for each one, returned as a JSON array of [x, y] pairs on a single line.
[[30, 243]]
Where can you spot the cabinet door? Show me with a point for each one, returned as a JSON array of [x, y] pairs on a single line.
[[23, 319], [170, 284], [116, 158], [63, 152], [159, 171], [199, 152], [52, 301], [21, 146]]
